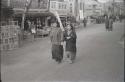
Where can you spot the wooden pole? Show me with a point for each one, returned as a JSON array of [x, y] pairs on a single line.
[[23, 20], [27, 6], [113, 7]]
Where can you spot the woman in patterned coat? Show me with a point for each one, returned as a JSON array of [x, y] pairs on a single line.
[[70, 38], [56, 36]]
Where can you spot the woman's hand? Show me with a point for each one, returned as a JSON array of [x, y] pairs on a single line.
[[68, 37]]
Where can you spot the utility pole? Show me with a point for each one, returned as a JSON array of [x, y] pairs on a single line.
[[76, 8], [113, 4], [84, 8]]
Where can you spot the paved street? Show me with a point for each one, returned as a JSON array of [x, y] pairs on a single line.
[[100, 58]]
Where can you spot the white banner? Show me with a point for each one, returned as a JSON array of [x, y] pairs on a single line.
[[81, 14], [58, 18]]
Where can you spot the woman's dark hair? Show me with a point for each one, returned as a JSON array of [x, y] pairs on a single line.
[[54, 20], [72, 27]]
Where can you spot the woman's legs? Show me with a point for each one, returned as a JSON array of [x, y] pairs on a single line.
[[68, 56], [71, 56], [107, 28]]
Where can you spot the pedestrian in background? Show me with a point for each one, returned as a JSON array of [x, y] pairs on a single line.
[[107, 23], [56, 36], [110, 23], [70, 38], [85, 22], [33, 30]]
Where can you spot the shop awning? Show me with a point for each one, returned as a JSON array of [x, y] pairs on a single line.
[[32, 12]]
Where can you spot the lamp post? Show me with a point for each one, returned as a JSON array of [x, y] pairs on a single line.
[[113, 7], [21, 35]]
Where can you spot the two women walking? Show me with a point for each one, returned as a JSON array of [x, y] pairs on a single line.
[[58, 37]]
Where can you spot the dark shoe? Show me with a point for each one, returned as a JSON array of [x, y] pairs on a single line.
[[53, 58], [71, 61], [59, 61]]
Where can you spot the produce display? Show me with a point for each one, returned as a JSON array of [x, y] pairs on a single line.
[[9, 39]]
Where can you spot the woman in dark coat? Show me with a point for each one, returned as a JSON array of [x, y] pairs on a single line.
[[56, 36], [70, 38]]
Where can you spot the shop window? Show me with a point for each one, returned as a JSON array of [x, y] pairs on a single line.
[[62, 6], [53, 5], [59, 6]]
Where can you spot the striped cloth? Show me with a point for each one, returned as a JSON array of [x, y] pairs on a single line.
[[56, 36]]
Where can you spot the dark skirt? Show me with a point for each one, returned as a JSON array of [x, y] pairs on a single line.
[[57, 52], [70, 46]]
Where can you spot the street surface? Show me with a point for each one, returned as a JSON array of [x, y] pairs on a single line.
[[100, 58]]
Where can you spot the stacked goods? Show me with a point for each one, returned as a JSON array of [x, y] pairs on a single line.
[[9, 36]]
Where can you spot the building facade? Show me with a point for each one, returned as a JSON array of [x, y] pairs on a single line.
[[19, 5], [93, 8], [87, 8], [114, 8], [60, 6]]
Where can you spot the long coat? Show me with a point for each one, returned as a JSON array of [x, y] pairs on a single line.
[[71, 43], [56, 36]]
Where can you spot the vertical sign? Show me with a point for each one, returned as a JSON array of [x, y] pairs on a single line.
[[43, 4]]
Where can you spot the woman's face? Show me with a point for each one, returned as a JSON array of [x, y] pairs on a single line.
[[54, 24], [68, 27]]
